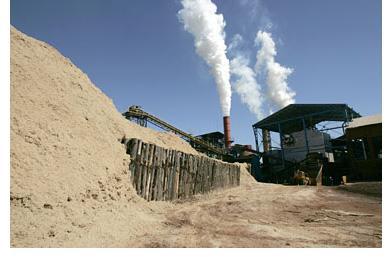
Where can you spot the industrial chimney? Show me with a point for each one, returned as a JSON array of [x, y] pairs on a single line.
[[226, 129]]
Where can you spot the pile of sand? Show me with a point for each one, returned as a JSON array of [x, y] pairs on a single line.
[[69, 172]]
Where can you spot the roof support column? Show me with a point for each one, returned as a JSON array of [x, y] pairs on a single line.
[[256, 138], [306, 135], [281, 144]]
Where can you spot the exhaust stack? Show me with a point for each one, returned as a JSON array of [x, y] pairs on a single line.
[[226, 129]]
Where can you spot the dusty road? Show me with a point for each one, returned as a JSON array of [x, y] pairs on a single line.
[[268, 215]]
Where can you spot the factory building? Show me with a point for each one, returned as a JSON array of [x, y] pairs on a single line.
[[364, 138], [304, 149], [305, 143]]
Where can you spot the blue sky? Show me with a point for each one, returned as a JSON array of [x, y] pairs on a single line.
[[137, 52]]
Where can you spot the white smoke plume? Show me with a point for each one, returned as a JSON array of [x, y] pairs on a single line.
[[207, 27], [277, 91], [245, 83], [235, 43]]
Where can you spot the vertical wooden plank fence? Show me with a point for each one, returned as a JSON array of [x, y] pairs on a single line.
[[157, 173]]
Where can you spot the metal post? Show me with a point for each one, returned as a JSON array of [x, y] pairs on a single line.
[[281, 144], [256, 138], [306, 135], [363, 149], [346, 121], [344, 124], [345, 110]]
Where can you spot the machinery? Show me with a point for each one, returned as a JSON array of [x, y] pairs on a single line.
[[301, 131], [136, 114]]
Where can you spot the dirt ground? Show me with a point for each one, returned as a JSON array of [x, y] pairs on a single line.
[[269, 215]]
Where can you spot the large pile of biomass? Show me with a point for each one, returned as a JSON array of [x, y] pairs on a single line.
[[69, 172]]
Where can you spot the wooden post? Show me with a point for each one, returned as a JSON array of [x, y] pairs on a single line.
[[199, 176], [161, 174], [127, 145], [194, 174], [136, 164], [213, 171], [204, 177], [132, 164], [172, 175], [216, 178], [203, 174], [187, 175], [221, 172], [185, 167], [140, 168], [229, 175], [169, 182], [156, 170], [238, 175], [223, 178], [145, 170], [181, 181], [215, 175], [209, 178], [164, 173], [177, 174], [166, 195], [149, 171], [185, 172], [191, 160]]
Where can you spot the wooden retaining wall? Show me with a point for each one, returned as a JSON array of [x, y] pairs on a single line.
[[164, 174]]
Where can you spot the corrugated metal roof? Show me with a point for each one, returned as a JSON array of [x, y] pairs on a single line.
[[365, 121], [290, 118]]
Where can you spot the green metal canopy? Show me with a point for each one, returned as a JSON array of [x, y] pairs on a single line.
[[293, 117]]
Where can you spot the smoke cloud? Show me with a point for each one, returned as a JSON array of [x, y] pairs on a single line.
[[245, 83], [207, 27], [278, 91]]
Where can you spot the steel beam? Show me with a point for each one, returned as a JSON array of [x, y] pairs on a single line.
[[256, 139], [306, 135], [281, 144]]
